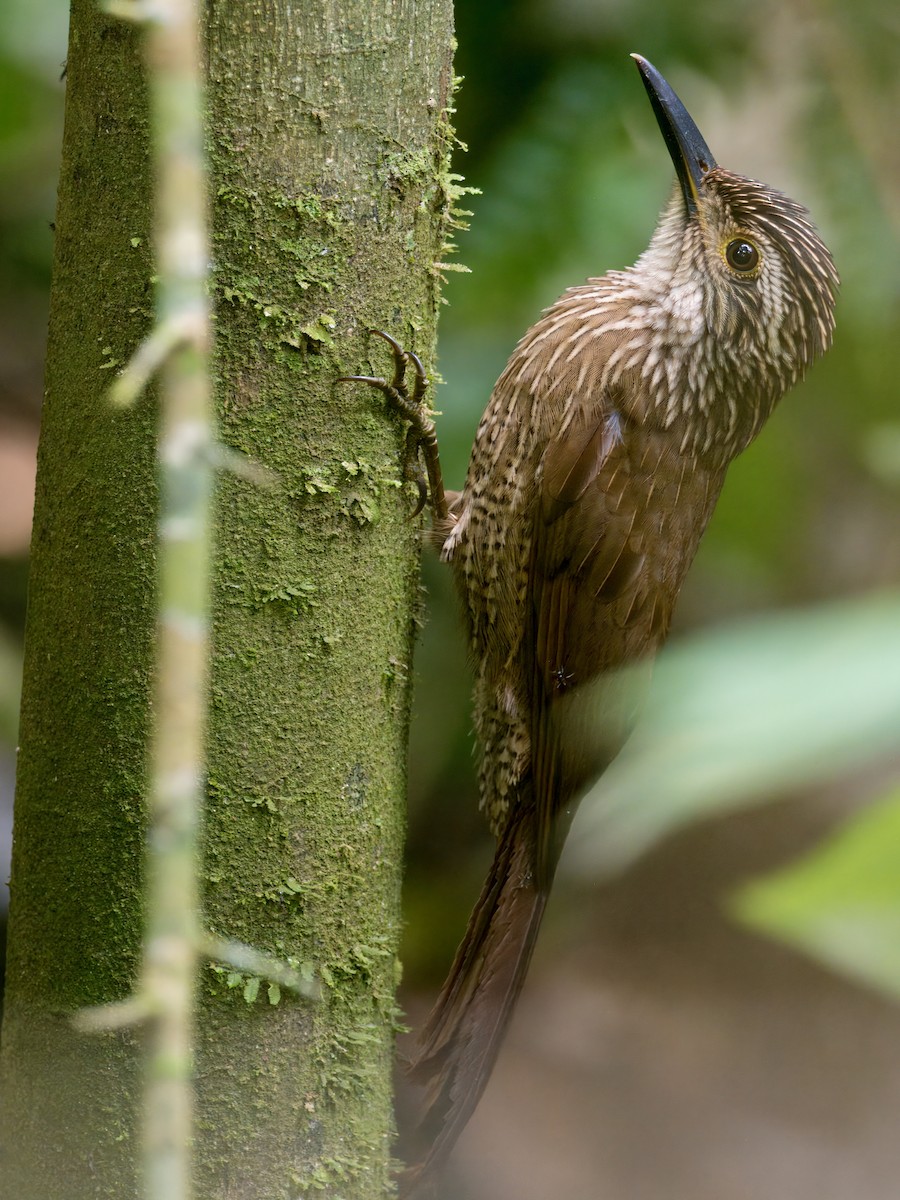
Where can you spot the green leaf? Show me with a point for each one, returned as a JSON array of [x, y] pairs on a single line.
[[251, 989], [319, 329], [274, 993], [735, 716], [840, 903]]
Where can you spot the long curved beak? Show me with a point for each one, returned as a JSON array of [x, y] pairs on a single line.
[[690, 153]]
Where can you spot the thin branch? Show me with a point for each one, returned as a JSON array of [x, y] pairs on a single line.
[[103, 1017], [148, 359], [179, 348], [241, 957], [224, 458]]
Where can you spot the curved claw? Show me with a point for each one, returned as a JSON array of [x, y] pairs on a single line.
[[421, 385], [421, 435], [391, 341], [423, 497]]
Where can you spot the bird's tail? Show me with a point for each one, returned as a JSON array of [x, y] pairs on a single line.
[[463, 1034]]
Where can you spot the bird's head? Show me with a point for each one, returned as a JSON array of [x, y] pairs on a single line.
[[737, 265]]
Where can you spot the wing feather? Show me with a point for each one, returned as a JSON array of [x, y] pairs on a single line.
[[582, 560], [607, 560]]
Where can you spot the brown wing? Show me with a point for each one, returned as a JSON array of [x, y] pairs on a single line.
[[596, 603]]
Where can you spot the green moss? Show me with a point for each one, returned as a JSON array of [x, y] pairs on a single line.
[[329, 1173], [402, 170], [319, 329]]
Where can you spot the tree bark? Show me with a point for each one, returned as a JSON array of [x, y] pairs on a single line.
[[330, 201]]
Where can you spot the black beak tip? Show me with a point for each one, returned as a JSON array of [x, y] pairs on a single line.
[[690, 153], [642, 64], [653, 80]]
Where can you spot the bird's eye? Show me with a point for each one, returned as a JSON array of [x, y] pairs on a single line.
[[742, 255]]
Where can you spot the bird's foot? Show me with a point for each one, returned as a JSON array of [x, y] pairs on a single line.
[[421, 437]]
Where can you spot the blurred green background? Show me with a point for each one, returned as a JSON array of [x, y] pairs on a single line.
[[662, 1048]]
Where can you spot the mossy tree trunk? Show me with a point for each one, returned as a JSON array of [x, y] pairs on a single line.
[[330, 199]]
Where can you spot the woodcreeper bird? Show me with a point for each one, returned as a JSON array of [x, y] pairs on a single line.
[[595, 469]]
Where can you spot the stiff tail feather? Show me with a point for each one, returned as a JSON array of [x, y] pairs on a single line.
[[463, 1034]]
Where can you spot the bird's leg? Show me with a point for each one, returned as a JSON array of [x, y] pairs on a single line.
[[421, 437]]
